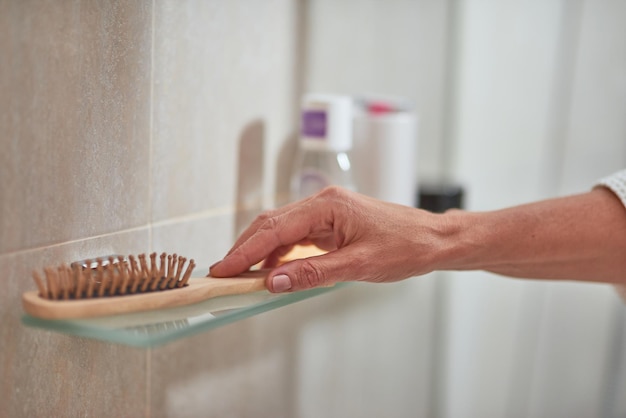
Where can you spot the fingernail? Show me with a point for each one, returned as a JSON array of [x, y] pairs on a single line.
[[281, 282]]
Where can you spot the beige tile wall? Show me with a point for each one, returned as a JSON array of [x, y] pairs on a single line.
[[75, 86], [131, 126]]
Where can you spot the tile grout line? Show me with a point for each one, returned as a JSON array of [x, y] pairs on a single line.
[[150, 190], [151, 129], [150, 226], [71, 241], [148, 381], [195, 216]]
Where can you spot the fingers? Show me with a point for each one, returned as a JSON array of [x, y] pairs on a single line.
[[272, 231]]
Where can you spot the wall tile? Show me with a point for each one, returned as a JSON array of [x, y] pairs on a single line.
[[235, 371], [222, 78], [44, 373], [75, 118]]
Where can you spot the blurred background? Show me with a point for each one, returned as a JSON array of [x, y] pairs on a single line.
[[129, 127]]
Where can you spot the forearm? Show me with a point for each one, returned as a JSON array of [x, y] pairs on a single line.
[[581, 237]]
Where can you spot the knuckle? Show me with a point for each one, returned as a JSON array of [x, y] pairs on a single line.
[[333, 192], [270, 227], [263, 217], [341, 199], [266, 221], [268, 224], [310, 276]]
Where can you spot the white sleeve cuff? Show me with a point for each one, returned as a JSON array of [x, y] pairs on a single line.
[[617, 184]]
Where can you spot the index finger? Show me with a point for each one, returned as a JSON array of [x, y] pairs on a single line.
[[260, 220]]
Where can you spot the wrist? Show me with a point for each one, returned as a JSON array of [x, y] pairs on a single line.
[[461, 241]]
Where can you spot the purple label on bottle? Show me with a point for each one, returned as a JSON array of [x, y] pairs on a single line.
[[314, 123]]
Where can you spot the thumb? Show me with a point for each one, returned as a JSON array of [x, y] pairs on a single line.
[[307, 273]]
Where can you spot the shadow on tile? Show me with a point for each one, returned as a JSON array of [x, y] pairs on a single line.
[[250, 174]]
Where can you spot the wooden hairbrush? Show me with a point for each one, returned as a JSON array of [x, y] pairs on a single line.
[[117, 286]]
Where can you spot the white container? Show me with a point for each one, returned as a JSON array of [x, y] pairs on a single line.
[[385, 155]]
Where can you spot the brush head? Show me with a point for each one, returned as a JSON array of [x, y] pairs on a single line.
[[114, 276]]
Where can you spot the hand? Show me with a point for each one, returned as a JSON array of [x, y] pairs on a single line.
[[366, 239]]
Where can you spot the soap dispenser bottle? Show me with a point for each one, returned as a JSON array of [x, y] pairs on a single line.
[[325, 141]]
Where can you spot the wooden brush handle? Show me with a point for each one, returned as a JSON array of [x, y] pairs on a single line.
[[197, 290]]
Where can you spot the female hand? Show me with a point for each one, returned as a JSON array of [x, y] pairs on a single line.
[[366, 240]]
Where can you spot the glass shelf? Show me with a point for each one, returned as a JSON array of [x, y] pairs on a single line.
[[153, 328]]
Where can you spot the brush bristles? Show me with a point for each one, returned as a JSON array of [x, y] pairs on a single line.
[[117, 277]]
